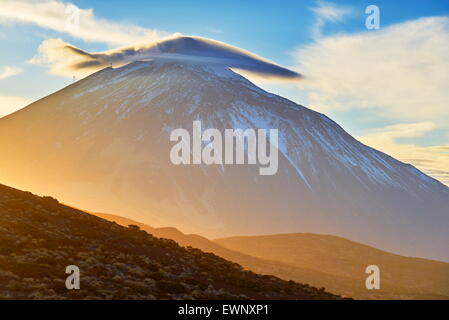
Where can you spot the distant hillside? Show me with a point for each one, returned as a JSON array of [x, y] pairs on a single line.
[[321, 260], [401, 277], [39, 237]]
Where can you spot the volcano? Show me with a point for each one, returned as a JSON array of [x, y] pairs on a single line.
[[103, 144]]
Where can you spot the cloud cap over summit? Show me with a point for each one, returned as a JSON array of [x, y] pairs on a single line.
[[66, 60]]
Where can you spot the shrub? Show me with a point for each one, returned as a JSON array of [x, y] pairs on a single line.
[[171, 287]]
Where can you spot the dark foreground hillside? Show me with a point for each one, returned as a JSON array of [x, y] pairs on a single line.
[[39, 238]]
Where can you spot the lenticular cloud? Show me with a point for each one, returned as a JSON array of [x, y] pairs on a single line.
[[67, 60]]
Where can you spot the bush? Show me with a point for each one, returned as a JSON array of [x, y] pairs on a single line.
[[171, 287]]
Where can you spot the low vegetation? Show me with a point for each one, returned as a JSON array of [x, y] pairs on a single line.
[[39, 238]]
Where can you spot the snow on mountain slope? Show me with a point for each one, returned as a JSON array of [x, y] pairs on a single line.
[[103, 144]]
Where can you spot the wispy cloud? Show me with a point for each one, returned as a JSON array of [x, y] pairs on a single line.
[[402, 71], [433, 160], [8, 71], [327, 12], [10, 104], [80, 23]]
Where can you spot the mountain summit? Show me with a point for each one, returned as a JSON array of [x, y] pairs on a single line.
[[103, 144]]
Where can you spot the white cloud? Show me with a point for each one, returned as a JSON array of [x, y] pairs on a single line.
[[327, 12], [433, 160], [67, 60], [10, 104], [60, 57], [80, 23], [7, 71], [401, 71]]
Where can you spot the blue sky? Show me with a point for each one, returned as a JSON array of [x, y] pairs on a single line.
[[366, 80], [271, 29]]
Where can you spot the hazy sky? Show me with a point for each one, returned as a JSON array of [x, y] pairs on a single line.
[[387, 87]]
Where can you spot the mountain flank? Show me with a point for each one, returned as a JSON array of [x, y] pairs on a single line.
[[103, 144]]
